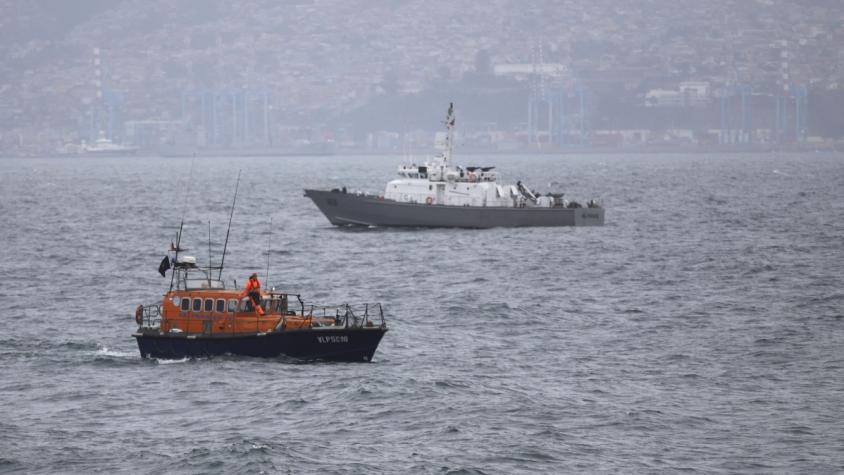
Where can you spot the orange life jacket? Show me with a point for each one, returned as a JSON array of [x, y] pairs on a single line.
[[253, 285]]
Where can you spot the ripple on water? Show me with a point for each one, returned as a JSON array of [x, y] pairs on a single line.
[[697, 331]]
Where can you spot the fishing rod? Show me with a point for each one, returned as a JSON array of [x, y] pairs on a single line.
[[231, 214]]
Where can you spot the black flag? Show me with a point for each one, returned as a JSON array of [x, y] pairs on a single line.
[[165, 264]]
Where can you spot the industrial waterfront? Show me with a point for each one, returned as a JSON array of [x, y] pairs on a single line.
[[215, 79]]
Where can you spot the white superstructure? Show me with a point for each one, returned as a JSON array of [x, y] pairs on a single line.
[[440, 183], [104, 146]]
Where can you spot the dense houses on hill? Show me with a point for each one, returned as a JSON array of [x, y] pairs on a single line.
[[264, 73]]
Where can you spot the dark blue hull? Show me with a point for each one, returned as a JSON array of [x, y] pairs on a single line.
[[341, 344]]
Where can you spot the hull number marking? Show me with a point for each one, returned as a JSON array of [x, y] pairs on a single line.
[[333, 339]]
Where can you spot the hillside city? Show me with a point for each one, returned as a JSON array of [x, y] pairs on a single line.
[[327, 76]]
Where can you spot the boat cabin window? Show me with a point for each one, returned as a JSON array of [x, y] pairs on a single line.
[[221, 306], [246, 305], [197, 305], [185, 304], [233, 305], [209, 305]]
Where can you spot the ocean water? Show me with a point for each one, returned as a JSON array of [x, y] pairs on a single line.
[[700, 330]]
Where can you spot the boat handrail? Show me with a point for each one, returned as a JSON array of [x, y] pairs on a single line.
[[150, 315], [347, 315], [352, 315]]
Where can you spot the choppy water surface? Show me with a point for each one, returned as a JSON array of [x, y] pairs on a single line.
[[700, 330]]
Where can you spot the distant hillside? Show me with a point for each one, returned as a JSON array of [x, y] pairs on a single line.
[[354, 63]]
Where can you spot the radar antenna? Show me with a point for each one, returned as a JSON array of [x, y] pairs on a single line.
[[449, 138]]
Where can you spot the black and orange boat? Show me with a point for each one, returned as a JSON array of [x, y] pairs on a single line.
[[199, 316]]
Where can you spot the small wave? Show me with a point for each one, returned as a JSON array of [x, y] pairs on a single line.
[[828, 298], [450, 384], [463, 471], [633, 310], [716, 200], [105, 351], [183, 360], [259, 447], [800, 430], [759, 269], [10, 464]]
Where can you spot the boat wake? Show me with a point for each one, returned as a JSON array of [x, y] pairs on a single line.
[[105, 351], [178, 361]]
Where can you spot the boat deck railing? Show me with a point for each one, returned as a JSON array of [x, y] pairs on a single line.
[[150, 315], [347, 315], [360, 315]]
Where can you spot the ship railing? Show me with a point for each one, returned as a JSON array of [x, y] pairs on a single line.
[[359, 315], [150, 315]]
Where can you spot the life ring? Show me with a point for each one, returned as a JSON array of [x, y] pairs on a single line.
[[473, 177], [429, 200], [139, 314]]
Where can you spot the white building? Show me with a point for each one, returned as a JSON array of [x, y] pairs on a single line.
[[688, 94]]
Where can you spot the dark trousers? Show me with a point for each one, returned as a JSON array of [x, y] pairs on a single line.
[[255, 297]]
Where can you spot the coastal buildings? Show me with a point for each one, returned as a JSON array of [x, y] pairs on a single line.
[[321, 63]]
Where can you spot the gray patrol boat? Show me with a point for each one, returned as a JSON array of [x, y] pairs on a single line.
[[438, 194]]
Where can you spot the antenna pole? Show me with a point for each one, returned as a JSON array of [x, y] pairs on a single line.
[[176, 256], [449, 138], [209, 253], [181, 224], [269, 235], [231, 213]]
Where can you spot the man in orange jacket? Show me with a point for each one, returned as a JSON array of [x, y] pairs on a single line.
[[253, 290]]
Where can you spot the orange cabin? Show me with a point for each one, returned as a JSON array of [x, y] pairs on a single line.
[[199, 304], [225, 311]]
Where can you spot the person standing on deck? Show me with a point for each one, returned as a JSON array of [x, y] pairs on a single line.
[[253, 291]]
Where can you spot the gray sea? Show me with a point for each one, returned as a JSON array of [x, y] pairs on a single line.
[[700, 330]]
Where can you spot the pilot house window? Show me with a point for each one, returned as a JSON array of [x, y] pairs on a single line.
[[197, 305], [209, 305], [185, 305], [221, 306]]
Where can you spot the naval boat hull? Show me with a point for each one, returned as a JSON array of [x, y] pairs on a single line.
[[349, 209], [331, 344]]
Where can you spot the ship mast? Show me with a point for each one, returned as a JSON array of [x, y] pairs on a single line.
[[449, 137], [229, 228]]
